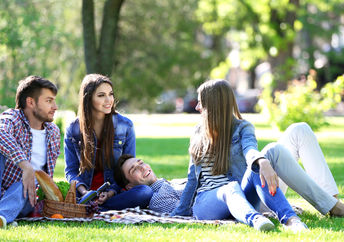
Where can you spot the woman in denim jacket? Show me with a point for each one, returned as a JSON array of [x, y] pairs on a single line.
[[94, 142], [213, 190]]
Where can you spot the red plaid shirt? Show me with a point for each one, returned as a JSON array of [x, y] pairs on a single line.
[[16, 145]]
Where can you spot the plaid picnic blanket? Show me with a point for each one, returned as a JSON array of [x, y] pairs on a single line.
[[133, 216]]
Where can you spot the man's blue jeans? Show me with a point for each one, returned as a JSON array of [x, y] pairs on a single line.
[[12, 203], [231, 199], [137, 196]]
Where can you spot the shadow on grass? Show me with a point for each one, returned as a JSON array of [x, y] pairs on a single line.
[[105, 225], [315, 221]]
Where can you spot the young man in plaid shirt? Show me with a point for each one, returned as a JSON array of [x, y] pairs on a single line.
[[29, 141]]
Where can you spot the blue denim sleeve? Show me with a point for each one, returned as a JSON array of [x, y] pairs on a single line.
[[130, 143], [187, 198], [71, 159], [249, 145]]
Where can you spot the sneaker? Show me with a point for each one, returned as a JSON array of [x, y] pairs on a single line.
[[295, 225], [3, 222], [262, 223]]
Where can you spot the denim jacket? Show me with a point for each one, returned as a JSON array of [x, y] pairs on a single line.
[[243, 153], [124, 143]]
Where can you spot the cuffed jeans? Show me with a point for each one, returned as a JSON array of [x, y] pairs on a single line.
[[137, 196], [13, 204], [297, 179], [232, 200]]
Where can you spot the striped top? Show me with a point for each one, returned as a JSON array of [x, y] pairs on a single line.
[[207, 180]]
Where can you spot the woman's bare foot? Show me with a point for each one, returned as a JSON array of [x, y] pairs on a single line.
[[337, 210]]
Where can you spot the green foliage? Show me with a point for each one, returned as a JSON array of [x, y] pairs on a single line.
[[267, 30], [62, 185], [301, 103], [59, 121], [40, 194], [159, 50], [40, 37]]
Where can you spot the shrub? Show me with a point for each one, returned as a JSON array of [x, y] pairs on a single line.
[[301, 102]]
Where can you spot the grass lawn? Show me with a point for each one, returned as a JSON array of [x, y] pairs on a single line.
[[168, 157]]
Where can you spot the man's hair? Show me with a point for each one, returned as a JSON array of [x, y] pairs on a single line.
[[120, 178], [31, 86]]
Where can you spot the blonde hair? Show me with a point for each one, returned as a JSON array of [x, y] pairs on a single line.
[[214, 136]]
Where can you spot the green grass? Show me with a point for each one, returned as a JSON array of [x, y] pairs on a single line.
[[169, 159]]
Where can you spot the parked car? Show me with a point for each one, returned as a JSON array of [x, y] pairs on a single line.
[[166, 102], [247, 101], [190, 101]]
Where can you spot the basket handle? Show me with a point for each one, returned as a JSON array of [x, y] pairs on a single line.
[[71, 194]]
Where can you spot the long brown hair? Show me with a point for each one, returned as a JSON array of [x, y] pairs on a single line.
[[214, 135], [88, 86]]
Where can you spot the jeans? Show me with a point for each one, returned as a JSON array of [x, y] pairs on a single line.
[[239, 202], [13, 204], [255, 193], [137, 196], [302, 143], [224, 202], [297, 179]]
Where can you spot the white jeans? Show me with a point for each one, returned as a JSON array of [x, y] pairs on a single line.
[[302, 143], [288, 169]]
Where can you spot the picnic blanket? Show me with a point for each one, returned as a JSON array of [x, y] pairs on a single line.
[[132, 216]]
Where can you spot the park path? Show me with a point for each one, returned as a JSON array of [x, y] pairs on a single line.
[[182, 125]]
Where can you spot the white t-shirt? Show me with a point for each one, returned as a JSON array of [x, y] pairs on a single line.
[[39, 149]]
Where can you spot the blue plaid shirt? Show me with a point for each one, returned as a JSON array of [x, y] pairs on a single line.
[[165, 197], [16, 145]]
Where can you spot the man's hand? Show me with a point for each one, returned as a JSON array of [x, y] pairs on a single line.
[[105, 196], [28, 180], [267, 173]]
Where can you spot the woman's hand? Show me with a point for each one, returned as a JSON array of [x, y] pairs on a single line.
[[82, 190], [267, 173], [105, 196]]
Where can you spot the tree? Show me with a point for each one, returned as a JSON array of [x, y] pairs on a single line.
[[100, 58], [160, 47], [267, 30], [38, 38]]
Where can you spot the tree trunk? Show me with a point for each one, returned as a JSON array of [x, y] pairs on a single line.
[[89, 35], [100, 59], [109, 33], [282, 64]]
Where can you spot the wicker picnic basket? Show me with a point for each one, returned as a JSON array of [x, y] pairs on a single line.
[[69, 208]]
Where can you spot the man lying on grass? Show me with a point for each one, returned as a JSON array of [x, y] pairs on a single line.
[[135, 172]]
